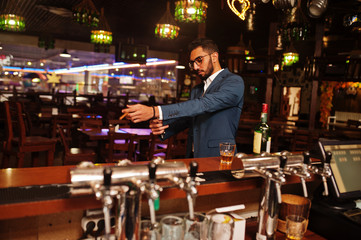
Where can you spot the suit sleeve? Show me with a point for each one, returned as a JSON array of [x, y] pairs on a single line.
[[228, 93], [176, 126]]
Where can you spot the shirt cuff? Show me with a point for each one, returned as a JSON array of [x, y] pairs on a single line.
[[160, 113]]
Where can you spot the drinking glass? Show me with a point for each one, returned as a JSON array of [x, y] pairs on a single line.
[[295, 226], [172, 228], [149, 231], [226, 151], [293, 205], [220, 227], [195, 229]]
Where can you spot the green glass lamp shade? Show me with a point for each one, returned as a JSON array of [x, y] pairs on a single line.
[[191, 11], [12, 22]]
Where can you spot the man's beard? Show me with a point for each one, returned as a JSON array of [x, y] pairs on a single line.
[[208, 72]]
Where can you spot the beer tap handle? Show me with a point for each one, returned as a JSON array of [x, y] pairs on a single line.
[[283, 161], [107, 180], [152, 168], [306, 157], [193, 169], [328, 157], [326, 171], [107, 200]]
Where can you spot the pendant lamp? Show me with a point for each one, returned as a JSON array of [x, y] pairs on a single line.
[[194, 11], [290, 57], [102, 34], [12, 22], [167, 28]]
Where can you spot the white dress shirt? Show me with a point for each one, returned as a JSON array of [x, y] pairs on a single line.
[[207, 82]]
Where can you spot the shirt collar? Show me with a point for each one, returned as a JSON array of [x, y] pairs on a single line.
[[213, 76], [210, 79]]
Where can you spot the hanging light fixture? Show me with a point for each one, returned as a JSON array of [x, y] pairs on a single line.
[[102, 35], [295, 26], [290, 57], [167, 28], [86, 13], [12, 22], [190, 11], [245, 4], [65, 54]]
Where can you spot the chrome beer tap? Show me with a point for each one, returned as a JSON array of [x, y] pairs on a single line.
[[271, 200], [125, 182], [104, 193], [190, 188], [324, 171], [189, 185], [152, 190], [298, 165]]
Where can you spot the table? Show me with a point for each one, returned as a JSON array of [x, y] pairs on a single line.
[[142, 134]]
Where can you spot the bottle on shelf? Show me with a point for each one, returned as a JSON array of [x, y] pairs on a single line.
[[262, 133]]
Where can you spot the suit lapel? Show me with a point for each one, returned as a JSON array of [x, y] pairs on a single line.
[[197, 91], [217, 79]]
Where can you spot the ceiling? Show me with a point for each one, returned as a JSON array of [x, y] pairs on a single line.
[[133, 21]]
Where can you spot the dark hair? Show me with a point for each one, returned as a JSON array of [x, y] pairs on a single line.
[[207, 45]]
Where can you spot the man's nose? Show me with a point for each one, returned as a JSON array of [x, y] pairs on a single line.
[[195, 66]]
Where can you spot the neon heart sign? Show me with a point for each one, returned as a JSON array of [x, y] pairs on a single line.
[[245, 5]]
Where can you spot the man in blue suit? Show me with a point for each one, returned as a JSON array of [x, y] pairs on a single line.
[[212, 114]]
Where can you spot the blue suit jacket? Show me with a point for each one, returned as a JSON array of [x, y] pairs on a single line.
[[212, 118]]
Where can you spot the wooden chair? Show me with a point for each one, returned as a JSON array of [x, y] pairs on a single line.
[[31, 128], [177, 147], [46, 111], [303, 139], [91, 123], [22, 144], [158, 148], [75, 110], [63, 120], [73, 156], [125, 150]]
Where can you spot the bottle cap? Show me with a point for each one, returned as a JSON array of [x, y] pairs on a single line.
[[265, 108]]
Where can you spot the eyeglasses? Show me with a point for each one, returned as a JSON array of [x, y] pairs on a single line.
[[197, 60]]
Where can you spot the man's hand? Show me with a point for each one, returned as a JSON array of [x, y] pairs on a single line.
[[139, 113], [157, 126]]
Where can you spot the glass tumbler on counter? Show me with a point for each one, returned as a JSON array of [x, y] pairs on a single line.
[[220, 227], [195, 229], [172, 228], [296, 227], [227, 151], [149, 231]]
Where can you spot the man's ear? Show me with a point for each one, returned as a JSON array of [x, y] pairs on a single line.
[[214, 56]]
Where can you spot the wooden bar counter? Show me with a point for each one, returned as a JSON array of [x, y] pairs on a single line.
[[172, 200]]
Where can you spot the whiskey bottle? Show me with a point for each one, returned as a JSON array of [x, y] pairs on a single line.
[[262, 133]]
